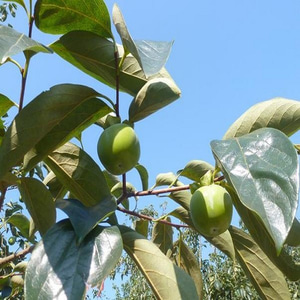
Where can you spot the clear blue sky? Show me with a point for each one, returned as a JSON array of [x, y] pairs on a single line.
[[227, 56]]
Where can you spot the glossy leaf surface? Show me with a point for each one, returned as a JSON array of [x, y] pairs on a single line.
[[59, 269], [263, 169]]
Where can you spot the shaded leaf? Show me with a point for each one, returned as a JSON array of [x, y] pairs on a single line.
[[183, 215], [183, 198], [186, 260], [154, 95], [263, 169], [162, 235], [79, 173], [39, 203], [279, 113], [96, 56], [49, 115], [55, 187], [21, 222], [195, 169], [13, 42], [268, 281], [141, 226], [83, 218], [166, 280], [293, 238], [21, 2], [67, 269], [59, 17], [144, 176]]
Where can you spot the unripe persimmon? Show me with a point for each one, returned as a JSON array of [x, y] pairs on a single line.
[[211, 210], [118, 148]]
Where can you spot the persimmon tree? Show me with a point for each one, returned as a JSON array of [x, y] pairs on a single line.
[[255, 162]]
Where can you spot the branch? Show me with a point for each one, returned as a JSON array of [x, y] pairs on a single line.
[[9, 258], [141, 216]]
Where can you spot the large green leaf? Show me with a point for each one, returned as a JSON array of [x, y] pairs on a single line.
[[268, 281], [279, 113], [263, 169], [95, 56], [48, 121], [151, 55], [79, 173], [153, 96], [83, 218], [60, 16], [13, 42], [59, 269], [186, 260], [39, 203], [162, 235], [195, 169], [166, 280]]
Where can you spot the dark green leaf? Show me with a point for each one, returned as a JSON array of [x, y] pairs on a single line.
[[186, 260], [154, 95], [263, 169], [21, 222], [195, 169], [279, 113], [67, 269], [59, 16], [268, 281], [39, 203], [44, 117], [83, 218], [144, 176], [96, 57], [162, 235], [13, 42], [166, 280], [79, 173]]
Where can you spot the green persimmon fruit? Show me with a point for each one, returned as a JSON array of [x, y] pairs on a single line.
[[118, 148], [211, 210], [12, 240]]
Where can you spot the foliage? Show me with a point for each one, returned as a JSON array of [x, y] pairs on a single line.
[[40, 158]]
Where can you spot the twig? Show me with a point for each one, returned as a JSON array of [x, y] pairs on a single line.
[[141, 216], [9, 258]]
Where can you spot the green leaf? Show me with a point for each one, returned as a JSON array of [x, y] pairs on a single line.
[[5, 104], [150, 55], [183, 215], [279, 113], [166, 280], [169, 179], [83, 218], [55, 187], [68, 126], [141, 226], [39, 203], [43, 124], [268, 281], [263, 169], [79, 173], [96, 56], [21, 222], [67, 269], [13, 42], [154, 95], [195, 169], [183, 198], [162, 235], [144, 176], [59, 16], [186, 260], [293, 238], [21, 2]]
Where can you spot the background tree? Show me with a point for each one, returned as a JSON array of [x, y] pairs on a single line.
[[43, 157]]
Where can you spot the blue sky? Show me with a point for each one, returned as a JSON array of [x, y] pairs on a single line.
[[226, 57]]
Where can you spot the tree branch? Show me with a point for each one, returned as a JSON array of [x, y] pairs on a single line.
[[9, 258]]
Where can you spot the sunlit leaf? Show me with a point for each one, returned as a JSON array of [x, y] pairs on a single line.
[[166, 280], [59, 16], [79, 173], [279, 113], [39, 203], [13, 42], [269, 282], [263, 169], [153, 96], [143, 175], [21, 222], [195, 169], [167, 179], [59, 269]]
